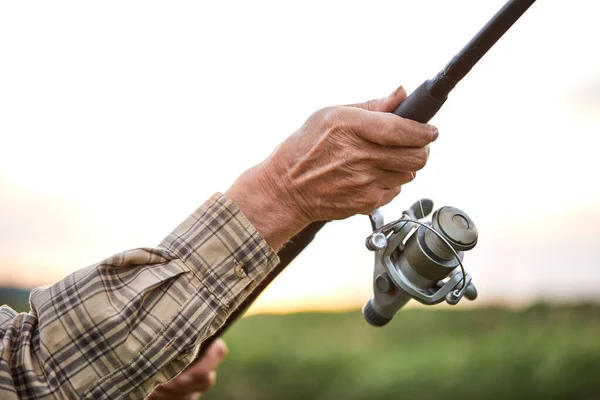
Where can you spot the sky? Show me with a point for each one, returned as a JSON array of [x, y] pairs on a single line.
[[118, 119]]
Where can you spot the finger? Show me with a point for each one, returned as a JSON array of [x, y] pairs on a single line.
[[387, 104], [203, 382], [389, 195], [403, 159], [186, 383], [393, 179], [214, 356], [160, 394], [181, 386], [384, 197], [200, 375], [388, 129]]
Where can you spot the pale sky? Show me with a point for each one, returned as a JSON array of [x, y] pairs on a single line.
[[118, 119]]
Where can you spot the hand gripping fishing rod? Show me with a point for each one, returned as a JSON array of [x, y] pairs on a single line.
[[454, 228]]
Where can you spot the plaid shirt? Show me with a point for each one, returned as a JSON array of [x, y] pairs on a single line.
[[118, 328]]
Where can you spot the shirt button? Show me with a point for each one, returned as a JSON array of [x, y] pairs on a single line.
[[239, 269]]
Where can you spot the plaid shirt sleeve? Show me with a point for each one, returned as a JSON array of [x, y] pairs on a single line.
[[118, 328]]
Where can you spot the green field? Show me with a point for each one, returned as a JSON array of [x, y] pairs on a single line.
[[538, 353], [426, 353]]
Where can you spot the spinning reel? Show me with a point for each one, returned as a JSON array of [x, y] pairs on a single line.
[[419, 260]]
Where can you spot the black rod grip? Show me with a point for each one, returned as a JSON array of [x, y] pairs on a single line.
[[420, 106]]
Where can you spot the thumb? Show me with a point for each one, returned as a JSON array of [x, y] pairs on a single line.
[[387, 104]]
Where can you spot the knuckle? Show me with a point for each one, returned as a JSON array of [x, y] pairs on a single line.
[[374, 203], [372, 105], [395, 192], [384, 198], [331, 116], [421, 133], [369, 202], [363, 180], [321, 113], [222, 352], [421, 158], [390, 195]]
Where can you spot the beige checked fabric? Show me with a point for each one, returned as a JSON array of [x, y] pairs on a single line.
[[118, 328]]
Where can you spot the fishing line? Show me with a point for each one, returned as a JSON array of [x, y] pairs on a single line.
[[420, 201]]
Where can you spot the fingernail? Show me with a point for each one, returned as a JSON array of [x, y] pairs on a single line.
[[434, 133], [395, 92], [222, 349]]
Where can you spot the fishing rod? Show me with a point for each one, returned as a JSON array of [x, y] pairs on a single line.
[[436, 250]]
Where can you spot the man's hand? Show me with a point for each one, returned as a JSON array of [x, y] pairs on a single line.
[[343, 161], [196, 379]]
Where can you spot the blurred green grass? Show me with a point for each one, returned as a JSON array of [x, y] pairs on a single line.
[[542, 352], [17, 298]]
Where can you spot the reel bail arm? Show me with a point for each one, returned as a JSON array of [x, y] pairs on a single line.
[[421, 261]]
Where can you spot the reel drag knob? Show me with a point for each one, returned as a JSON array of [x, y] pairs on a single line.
[[456, 226], [429, 255]]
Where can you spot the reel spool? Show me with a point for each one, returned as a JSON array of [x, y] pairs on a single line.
[[419, 260]]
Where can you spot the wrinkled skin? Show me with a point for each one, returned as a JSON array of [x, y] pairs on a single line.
[[343, 161]]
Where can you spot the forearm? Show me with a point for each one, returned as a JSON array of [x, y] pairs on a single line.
[[118, 328], [267, 205]]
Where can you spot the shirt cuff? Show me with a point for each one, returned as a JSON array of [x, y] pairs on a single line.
[[222, 247]]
